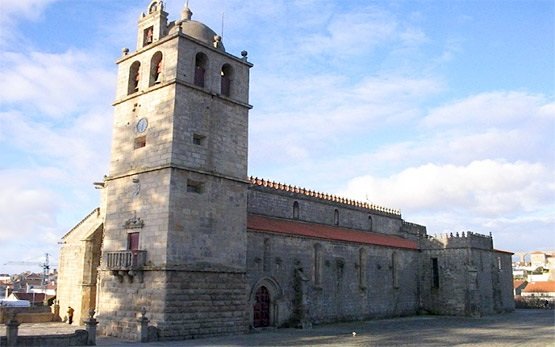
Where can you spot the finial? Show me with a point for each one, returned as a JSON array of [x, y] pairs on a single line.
[[186, 14]]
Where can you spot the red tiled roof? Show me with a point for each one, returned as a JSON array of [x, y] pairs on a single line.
[[289, 227], [38, 297], [518, 283], [540, 287]]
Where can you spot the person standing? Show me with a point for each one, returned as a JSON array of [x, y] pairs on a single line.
[[70, 311]]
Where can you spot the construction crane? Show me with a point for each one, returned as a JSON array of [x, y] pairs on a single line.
[[45, 267]]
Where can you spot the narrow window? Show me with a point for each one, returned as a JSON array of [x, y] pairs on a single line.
[[266, 260], [155, 69], [201, 62], [198, 139], [435, 273], [336, 217], [395, 269], [499, 267], [317, 264], [148, 36], [139, 142], [226, 75], [295, 210], [194, 187], [362, 260], [134, 78], [369, 223]]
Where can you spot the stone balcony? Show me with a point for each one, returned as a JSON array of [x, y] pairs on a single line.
[[126, 263]]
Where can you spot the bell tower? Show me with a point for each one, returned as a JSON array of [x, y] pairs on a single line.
[[176, 194]]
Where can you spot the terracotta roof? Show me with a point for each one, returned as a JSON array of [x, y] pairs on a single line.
[[518, 283], [38, 297], [327, 232], [540, 287], [255, 181]]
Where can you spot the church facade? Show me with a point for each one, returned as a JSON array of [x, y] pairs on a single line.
[[184, 233]]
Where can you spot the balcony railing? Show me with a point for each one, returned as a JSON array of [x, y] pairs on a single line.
[[125, 260]]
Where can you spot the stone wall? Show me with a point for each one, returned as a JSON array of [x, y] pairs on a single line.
[[343, 281], [472, 278], [78, 338], [79, 259], [36, 314], [179, 304], [279, 203]]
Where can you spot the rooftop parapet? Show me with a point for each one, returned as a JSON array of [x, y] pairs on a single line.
[[255, 181], [414, 229], [464, 239]]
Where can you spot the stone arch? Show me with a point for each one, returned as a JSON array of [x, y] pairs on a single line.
[[155, 69], [226, 80], [275, 292], [134, 77], [201, 66]]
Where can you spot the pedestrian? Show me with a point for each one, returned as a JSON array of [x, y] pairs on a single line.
[[70, 311]]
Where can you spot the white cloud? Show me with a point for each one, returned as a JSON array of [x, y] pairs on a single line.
[[486, 109], [54, 84], [481, 188]]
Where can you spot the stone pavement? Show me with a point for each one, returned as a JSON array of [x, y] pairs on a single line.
[[530, 328]]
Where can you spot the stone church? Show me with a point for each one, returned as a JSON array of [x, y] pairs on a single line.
[[184, 233]]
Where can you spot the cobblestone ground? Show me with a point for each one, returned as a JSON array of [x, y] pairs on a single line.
[[530, 328]]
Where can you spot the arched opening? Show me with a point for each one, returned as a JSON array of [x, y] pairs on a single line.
[[155, 69], [134, 78], [336, 217], [261, 308], [226, 77], [201, 64], [295, 210], [265, 300], [369, 223]]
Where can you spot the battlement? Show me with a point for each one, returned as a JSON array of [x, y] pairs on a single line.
[[414, 229], [466, 239], [322, 196]]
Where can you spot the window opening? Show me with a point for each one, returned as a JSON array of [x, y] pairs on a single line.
[[435, 273], [198, 139], [369, 223], [134, 78], [155, 69], [148, 36], [194, 186], [140, 142], [336, 217], [295, 210], [226, 75], [201, 62]]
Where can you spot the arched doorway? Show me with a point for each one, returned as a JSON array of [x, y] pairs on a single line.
[[261, 308]]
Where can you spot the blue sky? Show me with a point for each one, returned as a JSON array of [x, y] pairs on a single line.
[[442, 109]]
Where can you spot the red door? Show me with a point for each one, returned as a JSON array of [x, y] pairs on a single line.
[[133, 246], [262, 308]]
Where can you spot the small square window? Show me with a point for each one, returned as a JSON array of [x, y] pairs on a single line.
[[140, 142], [194, 186], [198, 139]]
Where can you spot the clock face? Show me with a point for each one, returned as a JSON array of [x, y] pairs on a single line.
[[141, 126]]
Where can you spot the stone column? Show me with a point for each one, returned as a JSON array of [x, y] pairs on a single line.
[[12, 327], [90, 326], [143, 326], [56, 312]]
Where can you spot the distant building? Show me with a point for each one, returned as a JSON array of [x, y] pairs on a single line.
[[184, 232], [540, 290]]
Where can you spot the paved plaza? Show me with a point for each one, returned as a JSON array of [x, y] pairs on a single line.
[[530, 328]]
